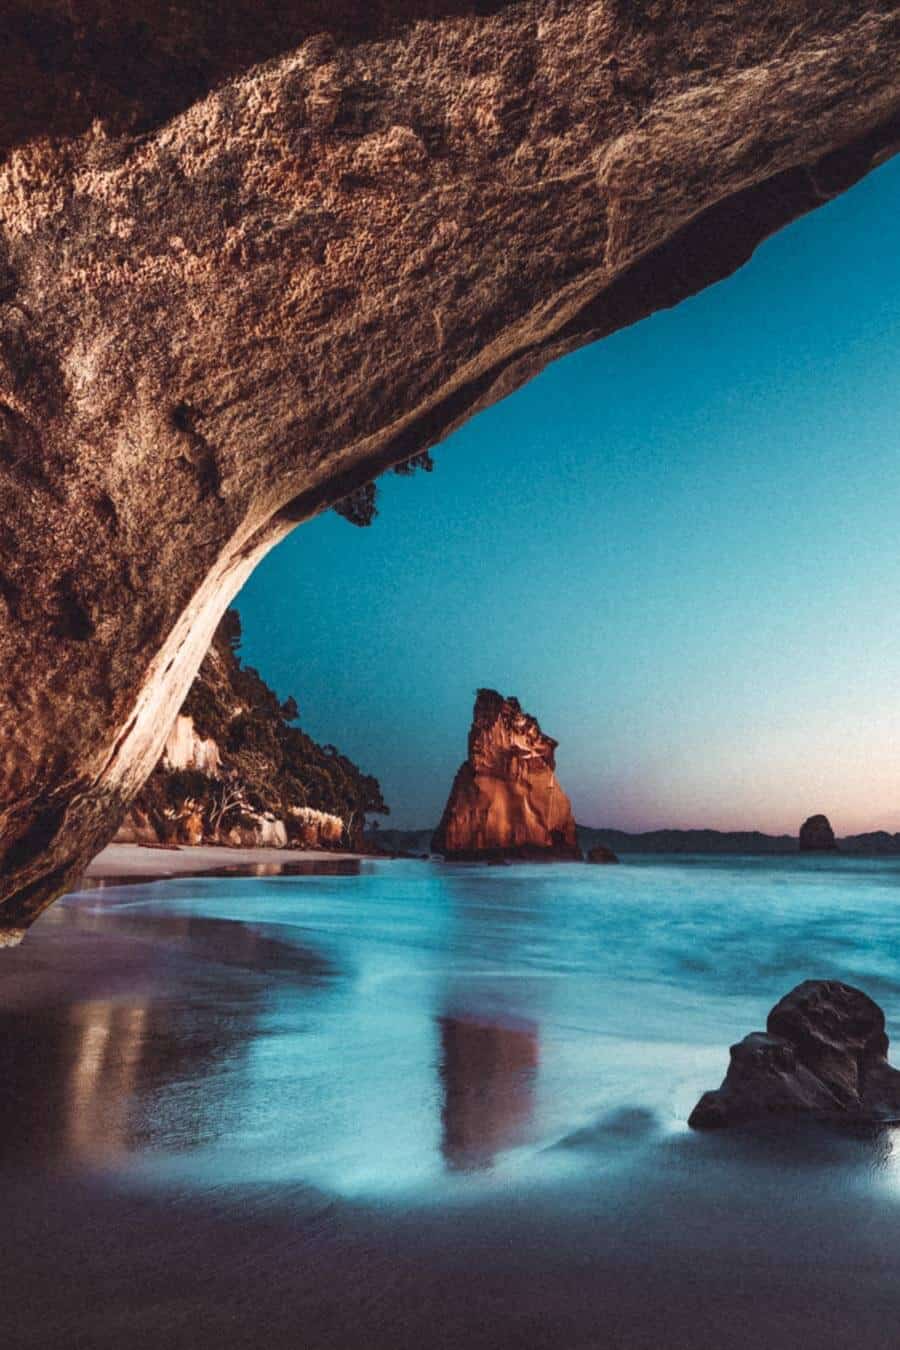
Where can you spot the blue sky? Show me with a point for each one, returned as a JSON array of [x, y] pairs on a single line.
[[680, 548]]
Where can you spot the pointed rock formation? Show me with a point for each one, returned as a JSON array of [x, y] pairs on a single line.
[[817, 836], [506, 801], [823, 1055]]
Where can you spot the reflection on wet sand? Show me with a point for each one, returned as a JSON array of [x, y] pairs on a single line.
[[108, 1042], [487, 1071], [223, 941], [303, 867], [98, 1079], [166, 1065]]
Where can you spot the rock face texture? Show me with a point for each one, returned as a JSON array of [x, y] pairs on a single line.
[[601, 854], [252, 255], [823, 1054], [506, 801], [817, 836]]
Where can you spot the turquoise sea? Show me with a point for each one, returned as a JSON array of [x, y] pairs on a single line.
[[403, 1103]]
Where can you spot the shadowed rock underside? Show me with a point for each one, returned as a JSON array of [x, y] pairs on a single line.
[[252, 254]]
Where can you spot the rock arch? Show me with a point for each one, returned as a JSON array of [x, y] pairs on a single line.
[[251, 256]]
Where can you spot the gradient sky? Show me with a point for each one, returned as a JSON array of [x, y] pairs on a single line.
[[680, 548]]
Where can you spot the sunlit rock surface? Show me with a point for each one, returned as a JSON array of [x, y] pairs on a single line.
[[184, 749], [506, 801], [823, 1055], [252, 255], [237, 770]]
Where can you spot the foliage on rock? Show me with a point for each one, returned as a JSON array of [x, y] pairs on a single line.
[[270, 767], [360, 506]]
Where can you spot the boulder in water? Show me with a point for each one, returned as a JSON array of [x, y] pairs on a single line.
[[601, 854], [823, 1055]]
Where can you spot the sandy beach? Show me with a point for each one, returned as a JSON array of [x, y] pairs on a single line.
[[136, 862]]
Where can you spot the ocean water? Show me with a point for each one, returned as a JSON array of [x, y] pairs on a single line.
[[437, 1105]]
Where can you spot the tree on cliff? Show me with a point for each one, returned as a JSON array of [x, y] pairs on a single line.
[[230, 629], [360, 506], [268, 762]]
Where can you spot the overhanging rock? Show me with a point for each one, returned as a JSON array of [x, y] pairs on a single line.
[[250, 256]]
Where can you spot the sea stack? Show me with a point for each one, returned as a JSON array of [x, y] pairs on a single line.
[[506, 801], [817, 836]]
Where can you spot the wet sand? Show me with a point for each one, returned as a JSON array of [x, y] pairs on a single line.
[[654, 1264], [141, 1042]]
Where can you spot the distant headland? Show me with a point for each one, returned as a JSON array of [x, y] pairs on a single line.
[[875, 843]]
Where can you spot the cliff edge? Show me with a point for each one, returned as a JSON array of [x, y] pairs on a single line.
[[237, 770]]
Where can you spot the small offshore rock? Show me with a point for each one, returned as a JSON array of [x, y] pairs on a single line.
[[601, 854], [817, 836]]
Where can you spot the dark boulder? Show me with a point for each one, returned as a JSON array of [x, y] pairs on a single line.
[[601, 854], [817, 836], [823, 1054]]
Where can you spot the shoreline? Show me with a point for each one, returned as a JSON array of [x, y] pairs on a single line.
[[123, 863], [336, 1110]]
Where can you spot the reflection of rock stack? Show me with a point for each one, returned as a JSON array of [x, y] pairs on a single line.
[[487, 1072]]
